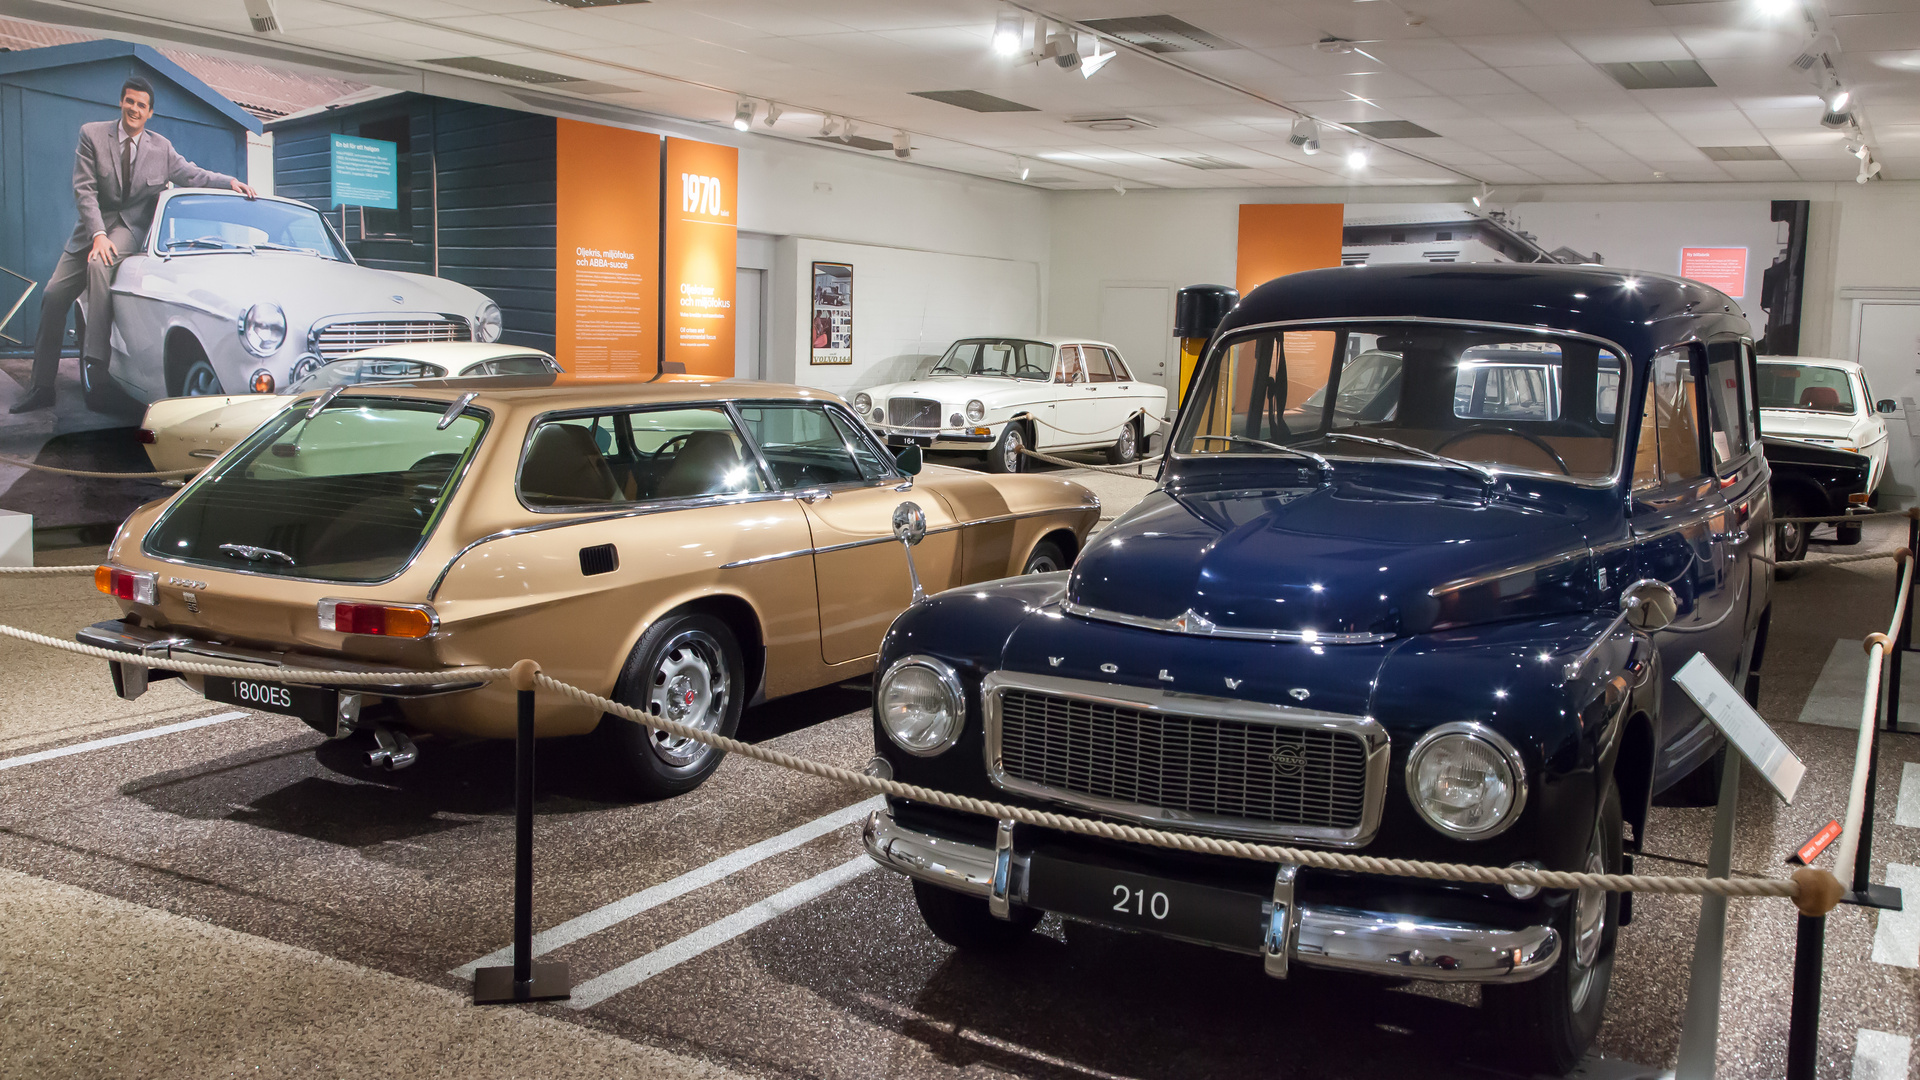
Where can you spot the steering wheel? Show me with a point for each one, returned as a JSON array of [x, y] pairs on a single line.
[[1036, 369], [679, 440], [1495, 429]]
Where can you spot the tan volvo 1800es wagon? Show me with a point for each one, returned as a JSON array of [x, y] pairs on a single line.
[[682, 547]]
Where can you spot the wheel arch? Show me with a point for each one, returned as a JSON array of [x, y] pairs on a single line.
[[1063, 538], [739, 616], [1633, 771], [182, 347]]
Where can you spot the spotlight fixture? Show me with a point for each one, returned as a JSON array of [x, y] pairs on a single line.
[[826, 127], [1773, 9], [260, 15], [1306, 135], [1357, 158], [773, 113], [1064, 50], [743, 116], [1486, 196], [1091, 65], [1829, 118], [1869, 169], [1837, 97], [1119, 189], [1008, 29], [902, 145], [846, 131], [1021, 168]]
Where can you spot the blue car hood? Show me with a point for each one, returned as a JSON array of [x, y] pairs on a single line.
[[1348, 558]]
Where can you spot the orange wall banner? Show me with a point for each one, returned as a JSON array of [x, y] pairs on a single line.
[[1285, 238], [607, 252], [699, 247]]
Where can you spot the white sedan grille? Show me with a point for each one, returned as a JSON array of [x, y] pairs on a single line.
[[913, 413], [334, 340]]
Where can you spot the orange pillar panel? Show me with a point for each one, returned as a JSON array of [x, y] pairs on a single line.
[[607, 252], [1285, 238], [699, 238]]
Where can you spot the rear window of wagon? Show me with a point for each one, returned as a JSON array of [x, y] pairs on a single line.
[[348, 495]]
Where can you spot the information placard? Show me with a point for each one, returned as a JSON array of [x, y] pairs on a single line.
[[607, 257], [699, 243], [1723, 268], [1744, 729], [366, 172], [831, 331]]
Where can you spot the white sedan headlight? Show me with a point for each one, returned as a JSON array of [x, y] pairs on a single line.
[[921, 705], [976, 411], [263, 327], [1466, 780], [486, 322], [862, 403]]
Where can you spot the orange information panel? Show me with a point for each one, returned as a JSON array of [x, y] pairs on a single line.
[[699, 241], [1284, 238], [1720, 268], [606, 296]]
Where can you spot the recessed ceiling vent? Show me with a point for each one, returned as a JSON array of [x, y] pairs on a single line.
[[1159, 33], [1202, 161], [485, 66], [1392, 129], [1659, 74], [1741, 153], [1111, 122], [596, 3], [975, 100]]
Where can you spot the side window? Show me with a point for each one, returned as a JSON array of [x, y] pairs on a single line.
[[871, 463], [801, 445], [1067, 370], [1669, 450], [1606, 389], [1098, 370], [1119, 366], [618, 458], [1726, 420]]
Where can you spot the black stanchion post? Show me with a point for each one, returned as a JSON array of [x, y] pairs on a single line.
[[525, 980], [1803, 1025]]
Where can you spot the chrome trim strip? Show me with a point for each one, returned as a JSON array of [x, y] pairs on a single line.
[[1490, 576], [875, 540], [1368, 730], [758, 559], [1322, 936], [1192, 623]]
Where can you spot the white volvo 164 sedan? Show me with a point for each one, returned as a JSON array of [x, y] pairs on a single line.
[[1826, 403], [1001, 395]]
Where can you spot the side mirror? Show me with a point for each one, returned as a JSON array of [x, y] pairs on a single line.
[[1649, 605], [909, 461], [910, 527], [1885, 405]]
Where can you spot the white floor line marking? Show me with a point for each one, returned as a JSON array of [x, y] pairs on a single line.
[[627, 907], [1880, 1056], [1896, 938], [117, 740], [639, 970], [1907, 810]]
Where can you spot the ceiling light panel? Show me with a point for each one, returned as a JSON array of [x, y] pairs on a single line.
[[1741, 153], [1205, 161], [1392, 129], [975, 100], [487, 66], [1159, 33], [1659, 74]]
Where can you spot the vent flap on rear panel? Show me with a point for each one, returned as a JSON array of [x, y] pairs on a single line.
[[600, 559]]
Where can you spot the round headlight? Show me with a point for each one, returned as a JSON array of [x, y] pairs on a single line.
[[976, 411], [1466, 780], [262, 328], [486, 323], [862, 402], [920, 705]]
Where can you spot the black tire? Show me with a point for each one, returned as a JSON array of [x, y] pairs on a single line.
[[1848, 532], [1005, 457], [687, 653], [1546, 1025], [964, 922], [1045, 558], [1701, 787], [1125, 449]]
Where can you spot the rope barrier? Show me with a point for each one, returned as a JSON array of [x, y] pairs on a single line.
[[1835, 560], [1084, 465], [88, 475], [47, 571], [1876, 646]]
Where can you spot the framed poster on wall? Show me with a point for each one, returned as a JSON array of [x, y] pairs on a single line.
[[831, 330]]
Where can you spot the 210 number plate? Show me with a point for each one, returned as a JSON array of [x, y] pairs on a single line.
[[1181, 909]]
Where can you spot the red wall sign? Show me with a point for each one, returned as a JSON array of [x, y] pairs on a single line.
[[1720, 268]]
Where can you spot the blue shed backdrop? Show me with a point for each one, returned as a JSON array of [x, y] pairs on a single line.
[[45, 95]]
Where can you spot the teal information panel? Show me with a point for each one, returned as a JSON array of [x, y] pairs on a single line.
[[366, 172]]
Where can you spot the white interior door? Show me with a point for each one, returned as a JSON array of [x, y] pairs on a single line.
[[1139, 319], [1886, 342], [749, 326]]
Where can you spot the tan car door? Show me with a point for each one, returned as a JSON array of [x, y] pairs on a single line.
[[850, 489]]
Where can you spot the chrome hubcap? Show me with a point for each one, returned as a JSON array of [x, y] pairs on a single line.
[[689, 686], [1126, 443], [1790, 537], [1589, 926], [1041, 565], [1013, 451]]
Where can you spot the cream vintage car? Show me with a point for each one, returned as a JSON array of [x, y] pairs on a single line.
[[1002, 395], [683, 547], [188, 432]]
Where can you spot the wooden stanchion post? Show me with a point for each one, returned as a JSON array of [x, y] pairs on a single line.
[[524, 980]]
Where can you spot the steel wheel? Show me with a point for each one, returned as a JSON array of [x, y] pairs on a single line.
[[1126, 447], [200, 380], [1589, 926], [1046, 558], [1005, 457], [688, 686]]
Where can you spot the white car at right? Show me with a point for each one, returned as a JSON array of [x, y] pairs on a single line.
[[1826, 403]]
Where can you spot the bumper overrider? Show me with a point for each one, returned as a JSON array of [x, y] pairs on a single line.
[[1291, 930], [130, 681]]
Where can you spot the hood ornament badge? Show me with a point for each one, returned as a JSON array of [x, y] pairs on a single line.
[[1299, 693], [1192, 622], [397, 298]]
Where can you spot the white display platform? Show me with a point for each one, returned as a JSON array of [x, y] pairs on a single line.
[[16, 538]]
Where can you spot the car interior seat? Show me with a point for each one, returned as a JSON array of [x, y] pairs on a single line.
[[1820, 397], [564, 467], [703, 467]]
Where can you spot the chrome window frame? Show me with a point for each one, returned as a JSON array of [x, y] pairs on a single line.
[[1372, 734], [860, 429], [719, 406]]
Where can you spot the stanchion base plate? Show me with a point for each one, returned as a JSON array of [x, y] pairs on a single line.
[[1884, 897], [495, 985]]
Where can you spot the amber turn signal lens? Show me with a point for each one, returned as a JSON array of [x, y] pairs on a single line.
[[139, 587], [1858, 498], [103, 579], [263, 381], [379, 620]]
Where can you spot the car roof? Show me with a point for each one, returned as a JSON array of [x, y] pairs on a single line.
[[1043, 339], [546, 392], [1812, 361], [448, 354]]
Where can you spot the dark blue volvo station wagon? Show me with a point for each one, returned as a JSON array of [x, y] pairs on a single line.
[[1428, 543]]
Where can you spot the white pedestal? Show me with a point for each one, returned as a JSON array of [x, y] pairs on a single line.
[[16, 538]]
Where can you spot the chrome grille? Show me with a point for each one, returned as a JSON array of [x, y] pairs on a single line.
[[335, 340], [1269, 778], [914, 412]]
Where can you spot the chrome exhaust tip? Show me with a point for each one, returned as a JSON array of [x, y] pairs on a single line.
[[393, 750]]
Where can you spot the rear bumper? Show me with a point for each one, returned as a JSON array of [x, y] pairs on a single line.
[[1342, 938], [130, 681]]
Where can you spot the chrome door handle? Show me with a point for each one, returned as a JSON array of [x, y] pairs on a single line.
[[1737, 537], [811, 497]]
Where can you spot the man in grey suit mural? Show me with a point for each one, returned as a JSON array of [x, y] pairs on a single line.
[[119, 171]]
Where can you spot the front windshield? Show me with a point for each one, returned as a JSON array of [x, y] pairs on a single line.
[[1805, 386], [1006, 358], [365, 370], [1497, 399], [199, 223]]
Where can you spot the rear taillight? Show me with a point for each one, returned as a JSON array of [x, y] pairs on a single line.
[[141, 588], [382, 620], [147, 436]]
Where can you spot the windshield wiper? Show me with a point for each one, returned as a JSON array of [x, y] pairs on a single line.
[[205, 241], [263, 245], [1326, 467], [1486, 475], [256, 554]]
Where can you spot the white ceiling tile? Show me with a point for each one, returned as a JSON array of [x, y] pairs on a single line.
[[1563, 78], [1594, 14], [1469, 81], [1627, 46], [1739, 42], [1520, 50], [1423, 55]]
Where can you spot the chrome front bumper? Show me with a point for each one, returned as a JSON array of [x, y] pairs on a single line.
[[1340, 938], [130, 681], [936, 438]]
